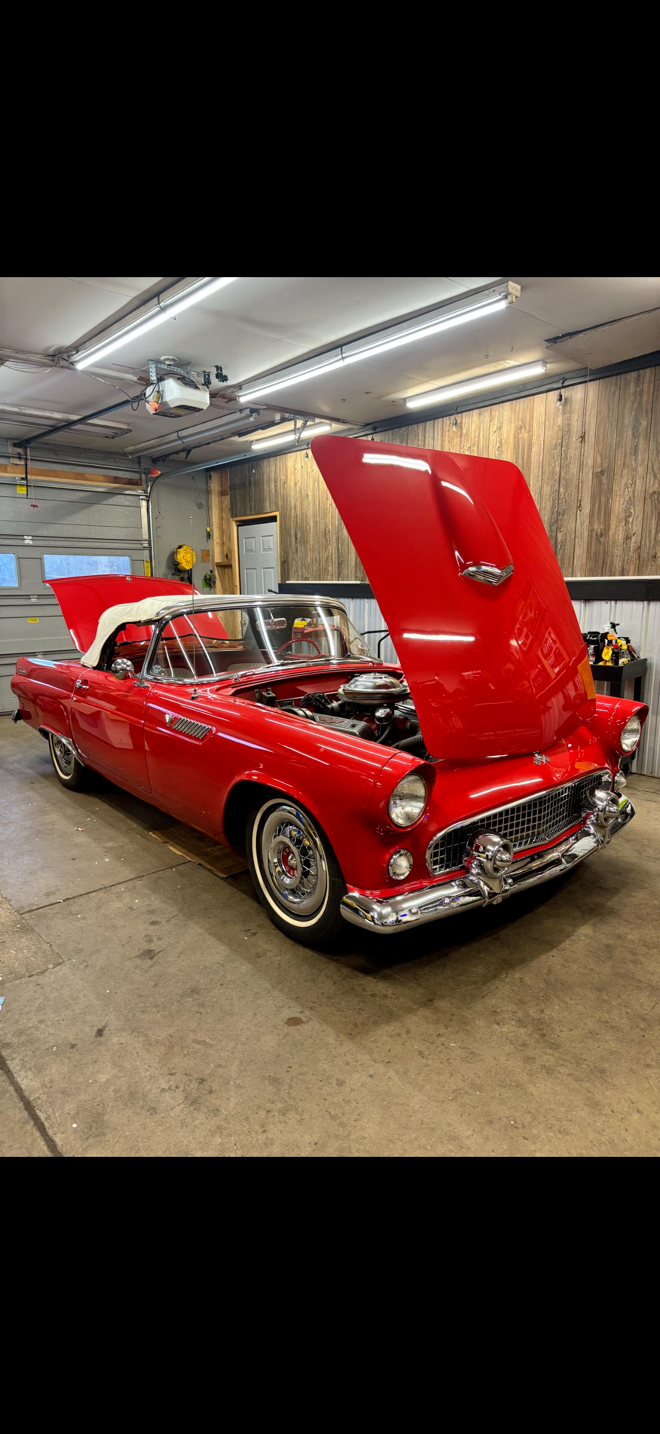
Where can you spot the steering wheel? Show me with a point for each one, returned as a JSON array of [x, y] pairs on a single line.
[[298, 639]]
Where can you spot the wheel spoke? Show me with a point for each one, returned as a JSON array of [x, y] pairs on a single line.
[[292, 860], [63, 756]]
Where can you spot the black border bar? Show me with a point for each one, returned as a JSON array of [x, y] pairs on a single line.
[[610, 589], [338, 589], [589, 589]]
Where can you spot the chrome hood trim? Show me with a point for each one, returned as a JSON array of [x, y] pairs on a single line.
[[487, 573]]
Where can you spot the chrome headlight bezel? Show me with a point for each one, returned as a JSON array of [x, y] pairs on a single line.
[[413, 800], [626, 745], [402, 851]]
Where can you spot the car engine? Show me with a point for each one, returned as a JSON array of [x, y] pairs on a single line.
[[376, 706]]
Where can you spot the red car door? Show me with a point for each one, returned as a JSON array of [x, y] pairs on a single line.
[[107, 725], [189, 757]]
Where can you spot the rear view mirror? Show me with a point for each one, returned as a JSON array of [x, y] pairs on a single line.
[[123, 667]]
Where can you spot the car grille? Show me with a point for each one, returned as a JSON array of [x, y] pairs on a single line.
[[530, 823]]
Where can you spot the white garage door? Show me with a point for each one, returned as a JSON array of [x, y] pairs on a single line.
[[72, 531]]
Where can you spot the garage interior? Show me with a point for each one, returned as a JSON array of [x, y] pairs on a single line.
[[148, 1007]]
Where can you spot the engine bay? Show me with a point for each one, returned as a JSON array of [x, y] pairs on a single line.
[[375, 706]]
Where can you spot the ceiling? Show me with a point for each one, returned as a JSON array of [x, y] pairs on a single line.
[[256, 325]]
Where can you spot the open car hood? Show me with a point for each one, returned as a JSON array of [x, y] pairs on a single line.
[[463, 572], [82, 600]]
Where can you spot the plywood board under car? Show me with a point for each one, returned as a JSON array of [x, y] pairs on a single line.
[[185, 841]]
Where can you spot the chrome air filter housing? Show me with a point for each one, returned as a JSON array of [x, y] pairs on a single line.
[[373, 689]]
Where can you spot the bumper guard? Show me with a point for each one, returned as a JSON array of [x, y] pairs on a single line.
[[491, 875]]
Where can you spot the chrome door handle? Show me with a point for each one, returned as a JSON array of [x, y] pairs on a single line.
[[82, 684]]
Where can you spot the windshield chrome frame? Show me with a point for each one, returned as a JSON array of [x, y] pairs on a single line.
[[161, 621]]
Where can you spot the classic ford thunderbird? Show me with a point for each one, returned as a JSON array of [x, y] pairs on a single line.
[[480, 764]]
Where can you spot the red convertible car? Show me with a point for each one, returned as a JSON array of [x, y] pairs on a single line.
[[482, 763]]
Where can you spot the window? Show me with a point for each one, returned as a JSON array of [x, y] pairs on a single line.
[[213, 644], [8, 571], [83, 565], [132, 642], [204, 645]]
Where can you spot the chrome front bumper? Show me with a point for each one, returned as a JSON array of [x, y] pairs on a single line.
[[609, 814]]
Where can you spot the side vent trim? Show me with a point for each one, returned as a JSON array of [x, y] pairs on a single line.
[[186, 726]]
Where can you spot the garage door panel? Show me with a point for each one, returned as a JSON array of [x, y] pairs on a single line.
[[66, 522], [85, 513]]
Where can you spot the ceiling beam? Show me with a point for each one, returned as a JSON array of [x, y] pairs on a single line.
[[72, 423]]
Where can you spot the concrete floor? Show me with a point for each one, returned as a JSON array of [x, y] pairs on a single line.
[[151, 1008]]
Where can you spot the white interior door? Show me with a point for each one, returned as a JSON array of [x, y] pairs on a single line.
[[257, 551]]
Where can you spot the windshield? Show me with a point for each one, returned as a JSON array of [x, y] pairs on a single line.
[[204, 645]]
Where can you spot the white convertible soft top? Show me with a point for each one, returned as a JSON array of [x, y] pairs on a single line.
[[139, 613]]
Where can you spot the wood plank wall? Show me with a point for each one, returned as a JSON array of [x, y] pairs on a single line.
[[591, 461], [16, 471]]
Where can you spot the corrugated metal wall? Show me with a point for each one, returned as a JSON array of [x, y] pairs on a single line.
[[639, 620], [366, 616]]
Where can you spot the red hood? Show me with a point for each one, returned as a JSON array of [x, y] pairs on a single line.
[[82, 600], [493, 668]]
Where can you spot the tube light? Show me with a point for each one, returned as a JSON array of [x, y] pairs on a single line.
[[291, 436], [158, 315], [29, 415], [363, 349], [218, 428], [502, 377], [273, 442]]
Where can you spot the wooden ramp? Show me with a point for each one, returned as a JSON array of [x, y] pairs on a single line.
[[185, 841]]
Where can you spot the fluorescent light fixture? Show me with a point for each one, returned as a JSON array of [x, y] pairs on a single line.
[[392, 460], [168, 309], [281, 439], [218, 428], [393, 338], [29, 415], [291, 436], [500, 379]]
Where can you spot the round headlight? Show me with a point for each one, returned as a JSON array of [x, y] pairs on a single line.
[[630, 734], [407, 801], [400, 865]]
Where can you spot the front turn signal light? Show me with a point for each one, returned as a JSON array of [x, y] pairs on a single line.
[[400, 864]]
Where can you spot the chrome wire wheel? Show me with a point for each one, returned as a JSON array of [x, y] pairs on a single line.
[[62, 755], [291, 861]]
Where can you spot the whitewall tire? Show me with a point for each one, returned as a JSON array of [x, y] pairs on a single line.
[[69, 771], [295, 870]]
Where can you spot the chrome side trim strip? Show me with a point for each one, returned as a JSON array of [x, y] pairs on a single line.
[[449, 898]]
